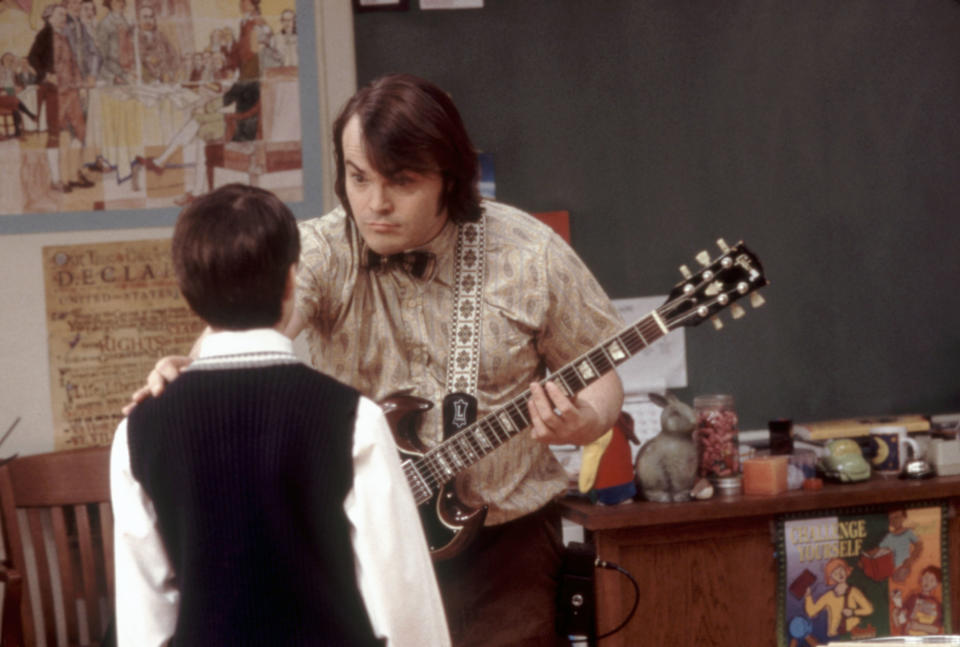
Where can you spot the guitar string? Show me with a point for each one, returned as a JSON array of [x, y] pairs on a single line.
[[598, 359], [435, 460], [438, 460], [492, 428]]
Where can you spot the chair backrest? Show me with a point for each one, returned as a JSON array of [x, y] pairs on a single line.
[[8, 124], [58, 534]]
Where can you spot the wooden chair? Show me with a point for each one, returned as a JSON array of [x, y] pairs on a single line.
[[232, 121], [58, 534], [8, 118], [265, 154]]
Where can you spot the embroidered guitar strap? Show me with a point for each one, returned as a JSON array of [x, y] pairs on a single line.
[[463, 360]]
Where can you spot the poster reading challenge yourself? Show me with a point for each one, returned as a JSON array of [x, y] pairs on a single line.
[[863, 574]]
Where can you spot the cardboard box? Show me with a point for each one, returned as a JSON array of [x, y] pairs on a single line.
[[765, 475], [853, 427], [944, 455]]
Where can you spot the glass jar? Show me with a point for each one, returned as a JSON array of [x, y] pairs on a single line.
[[716, 438]]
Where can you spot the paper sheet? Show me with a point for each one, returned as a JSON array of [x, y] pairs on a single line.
[[661, 365]]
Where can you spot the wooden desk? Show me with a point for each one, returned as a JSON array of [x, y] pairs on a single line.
[[707, 570]]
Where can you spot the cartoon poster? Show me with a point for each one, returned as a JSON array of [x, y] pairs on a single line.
[[863, 574], [134, 104], [113, 309]]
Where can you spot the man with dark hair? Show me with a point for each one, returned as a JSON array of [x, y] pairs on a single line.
[[81, 38], [158, 57], [58, 94], [41, 60], [414, 283], [406, 179], [244, 52], [285, 41], [115, 43], [256, 500]]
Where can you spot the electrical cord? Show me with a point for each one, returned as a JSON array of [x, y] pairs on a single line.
[[599, 563]]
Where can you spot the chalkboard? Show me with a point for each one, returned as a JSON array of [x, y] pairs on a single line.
[[824, 134]]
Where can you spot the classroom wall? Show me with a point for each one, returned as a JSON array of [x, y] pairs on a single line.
[[24, 378], [823, 133]]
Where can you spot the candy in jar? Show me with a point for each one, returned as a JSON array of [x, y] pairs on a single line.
[[718, 451]]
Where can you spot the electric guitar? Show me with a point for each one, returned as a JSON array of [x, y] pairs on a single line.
[[448, 523]]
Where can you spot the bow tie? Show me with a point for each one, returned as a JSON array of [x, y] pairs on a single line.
[[416, 264]]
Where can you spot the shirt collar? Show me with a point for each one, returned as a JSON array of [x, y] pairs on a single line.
[[233, 342]]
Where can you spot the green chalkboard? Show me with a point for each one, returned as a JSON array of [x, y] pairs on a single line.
[[825, 134]]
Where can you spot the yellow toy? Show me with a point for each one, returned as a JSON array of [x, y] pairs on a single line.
[[606, 467]]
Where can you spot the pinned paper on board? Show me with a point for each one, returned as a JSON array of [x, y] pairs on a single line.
[[660, 366], [426, 5], [663, 364]]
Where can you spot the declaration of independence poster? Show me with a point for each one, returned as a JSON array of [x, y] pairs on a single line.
[[113, 309]]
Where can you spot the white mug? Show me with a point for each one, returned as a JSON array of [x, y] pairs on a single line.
[[891, 444]]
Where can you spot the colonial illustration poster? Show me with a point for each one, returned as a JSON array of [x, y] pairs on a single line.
[[131, 104], [113, 309], [863, 574]]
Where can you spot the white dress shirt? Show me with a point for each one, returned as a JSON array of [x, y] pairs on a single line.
[[393, 565]]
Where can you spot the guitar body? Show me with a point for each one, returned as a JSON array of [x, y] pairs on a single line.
[[448, 523]]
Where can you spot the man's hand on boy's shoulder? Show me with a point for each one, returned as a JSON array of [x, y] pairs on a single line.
[[167, 369]]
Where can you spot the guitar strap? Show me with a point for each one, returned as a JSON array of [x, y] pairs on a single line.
[[463, 360]]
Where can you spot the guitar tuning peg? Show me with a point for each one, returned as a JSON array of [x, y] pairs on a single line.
[[736, 311], [703, 258], [722, 244], [685, 271], [757, 300], [717, 323]]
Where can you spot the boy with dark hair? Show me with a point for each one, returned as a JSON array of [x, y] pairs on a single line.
[[257, 501]]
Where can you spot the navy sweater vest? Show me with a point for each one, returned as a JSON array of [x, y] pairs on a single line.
[[248, 469]]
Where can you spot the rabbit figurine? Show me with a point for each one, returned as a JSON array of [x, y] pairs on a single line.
[[666, 465]]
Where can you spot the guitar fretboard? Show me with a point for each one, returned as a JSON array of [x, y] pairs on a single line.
[[442, 463]]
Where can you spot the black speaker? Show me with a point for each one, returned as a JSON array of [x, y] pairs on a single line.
[[576, 603]]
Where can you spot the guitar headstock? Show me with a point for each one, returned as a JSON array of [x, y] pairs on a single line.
[[721, 282]]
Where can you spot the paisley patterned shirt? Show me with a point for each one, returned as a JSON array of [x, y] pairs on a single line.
[[384, 330]]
